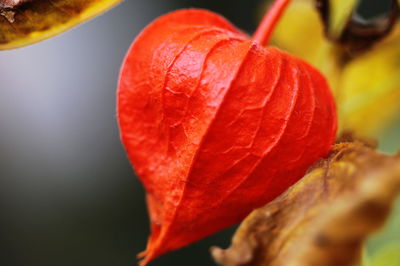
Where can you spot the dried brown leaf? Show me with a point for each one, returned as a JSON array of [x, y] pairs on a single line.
[[325, 217], [11, 3], [24, 22]]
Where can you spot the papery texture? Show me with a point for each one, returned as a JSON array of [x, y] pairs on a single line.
[[214, 122], [366, 86], [325, 218]]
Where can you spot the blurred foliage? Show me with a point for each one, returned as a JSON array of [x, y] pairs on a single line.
[[34, 21], [339, 14], [367, 89], [388, 255], [366, 86], [384, 247]]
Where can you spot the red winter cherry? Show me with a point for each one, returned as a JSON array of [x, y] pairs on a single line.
[[215, 124]]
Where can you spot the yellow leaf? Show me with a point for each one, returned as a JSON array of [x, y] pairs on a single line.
[[324, 218], [300, 31], [37, 20], [370, 88], [339, 14], [366, 87]]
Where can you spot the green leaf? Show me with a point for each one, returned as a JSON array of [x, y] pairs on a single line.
[[388, 255]]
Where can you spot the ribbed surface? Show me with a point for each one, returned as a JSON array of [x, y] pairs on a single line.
[[216, 125]]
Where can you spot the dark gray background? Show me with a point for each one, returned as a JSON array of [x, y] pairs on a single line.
[[68, 196]]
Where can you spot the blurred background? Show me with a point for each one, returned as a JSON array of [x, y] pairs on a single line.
[[68, 196]]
